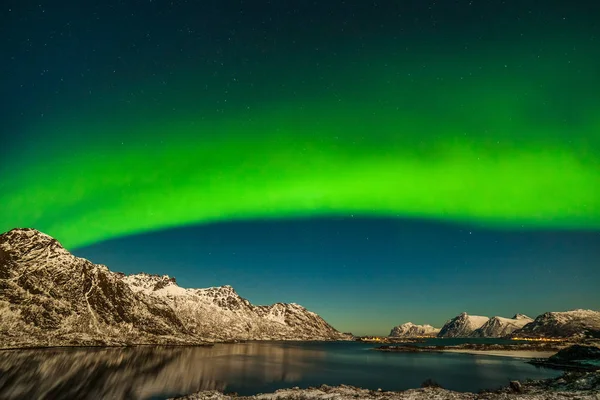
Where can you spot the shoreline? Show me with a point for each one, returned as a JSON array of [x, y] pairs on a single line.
[[199, 344], [522, 351], [529, 354], [580, 386], [103, 346], [517, 353]]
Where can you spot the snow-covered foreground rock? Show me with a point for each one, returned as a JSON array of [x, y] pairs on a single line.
[[48, 297], [581, 387]]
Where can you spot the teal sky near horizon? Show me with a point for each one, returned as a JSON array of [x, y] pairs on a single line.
[[132, 118]]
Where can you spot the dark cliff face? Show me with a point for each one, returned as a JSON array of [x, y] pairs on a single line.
[[50, 297]]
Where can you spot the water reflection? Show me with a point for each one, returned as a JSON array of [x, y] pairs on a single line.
[[249, 368], [144, 372]]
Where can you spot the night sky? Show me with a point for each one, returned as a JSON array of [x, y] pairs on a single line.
[[375, 161]]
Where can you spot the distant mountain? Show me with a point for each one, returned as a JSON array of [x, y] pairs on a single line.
[[411, 330], [500, 327], [566, 324], [462, 325], [48, 297]]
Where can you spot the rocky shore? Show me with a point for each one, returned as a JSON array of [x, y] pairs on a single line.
[[522, 350], [583, 356], [576, 357], [582, 386], [476, 346]]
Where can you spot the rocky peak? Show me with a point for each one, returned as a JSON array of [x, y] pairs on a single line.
[[220, 291], [150, 281], [574, 323], [36, 259], [409, 329], [500, 326], [21, 242], [462, 325], [225, 297]]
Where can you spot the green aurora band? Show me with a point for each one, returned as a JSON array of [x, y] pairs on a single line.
[[493, 145]]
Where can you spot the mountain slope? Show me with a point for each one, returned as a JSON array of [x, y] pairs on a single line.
[[462, 325], [412, 330], [566, 324], [499, 326], [219, 313], [50, 297]]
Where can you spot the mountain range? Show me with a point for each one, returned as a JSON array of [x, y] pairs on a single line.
[[49, 297], [564, 324], [500, 326]]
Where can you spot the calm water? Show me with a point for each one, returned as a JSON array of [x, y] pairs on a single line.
[[248, 368]]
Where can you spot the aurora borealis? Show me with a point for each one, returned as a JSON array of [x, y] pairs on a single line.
[[133, 117]]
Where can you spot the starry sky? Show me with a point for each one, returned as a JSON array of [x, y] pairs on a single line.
[[375, 161]]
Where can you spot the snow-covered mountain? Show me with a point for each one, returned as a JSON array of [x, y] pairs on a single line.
[[219, 313], [462, 325], [575, 323], [412, 330], [500, 327], [50, 297]]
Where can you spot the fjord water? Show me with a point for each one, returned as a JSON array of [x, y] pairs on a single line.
[[246, 368]]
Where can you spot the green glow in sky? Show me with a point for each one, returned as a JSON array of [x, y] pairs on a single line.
[[470, 144]]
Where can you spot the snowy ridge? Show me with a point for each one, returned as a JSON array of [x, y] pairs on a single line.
[[500, 326], [566, 324], [462, 325], [49, 297], [230, 316], [576, 323], [412, 330], [521, 316]]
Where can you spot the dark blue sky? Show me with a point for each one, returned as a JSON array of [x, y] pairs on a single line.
[[367, 275]]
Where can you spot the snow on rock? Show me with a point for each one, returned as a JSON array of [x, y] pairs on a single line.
[[219, 313], [412, 330], [580, 387], [522, 316], [48, 297], [500, 327], [567, 324], [462, 325], [341, 392]]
